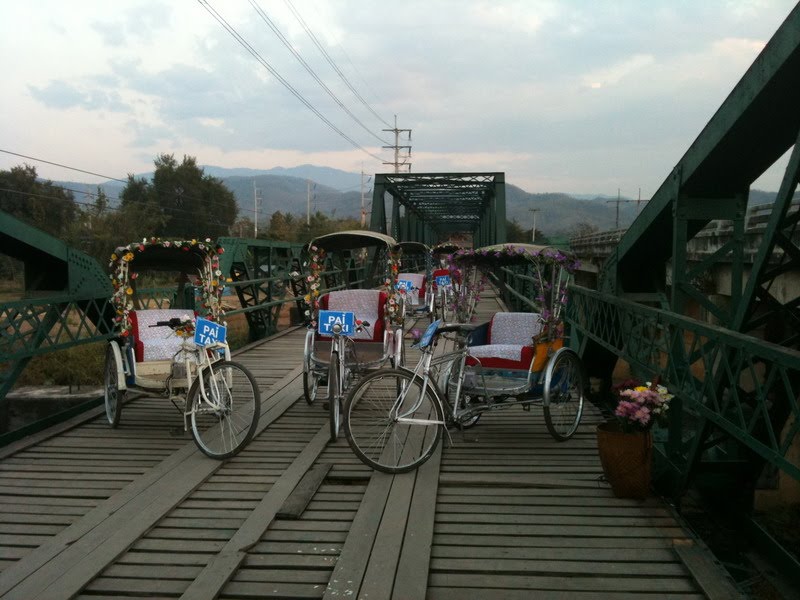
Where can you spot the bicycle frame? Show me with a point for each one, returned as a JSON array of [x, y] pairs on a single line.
[[204, 357], [455, 361]]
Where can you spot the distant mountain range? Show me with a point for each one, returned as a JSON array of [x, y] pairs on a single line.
[[337, 194]]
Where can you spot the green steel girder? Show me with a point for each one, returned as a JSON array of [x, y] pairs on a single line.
[[754, 127], [69, 301], [260, 292], [436, 205], [726, 378]]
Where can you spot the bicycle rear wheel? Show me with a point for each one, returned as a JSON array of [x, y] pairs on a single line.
[[564, 385], [391, 424], [225, 420], [113, 396], [334, 401]]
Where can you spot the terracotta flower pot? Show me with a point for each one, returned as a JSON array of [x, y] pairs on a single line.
[[627, 460]]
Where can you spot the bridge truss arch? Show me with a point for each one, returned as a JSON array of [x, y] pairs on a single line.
[[434, 207]]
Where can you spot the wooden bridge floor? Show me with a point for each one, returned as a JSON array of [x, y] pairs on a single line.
[[505, 512]]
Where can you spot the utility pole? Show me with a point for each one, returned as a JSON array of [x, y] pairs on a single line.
[[256, 200], [533, 231], [363, 206], [619, 201], [308, 202], [397, 147]]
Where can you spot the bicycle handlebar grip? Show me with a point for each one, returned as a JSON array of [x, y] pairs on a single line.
[[173, 322]]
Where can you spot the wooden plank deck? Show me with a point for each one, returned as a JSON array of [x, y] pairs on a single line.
[[503, 512]]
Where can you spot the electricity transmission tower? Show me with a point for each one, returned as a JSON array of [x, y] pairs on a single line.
[[399, 160]]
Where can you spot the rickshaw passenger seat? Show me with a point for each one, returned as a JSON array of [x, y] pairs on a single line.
[[509, 342], [418, 281], [439, 273], [367, 305], [154, 343]]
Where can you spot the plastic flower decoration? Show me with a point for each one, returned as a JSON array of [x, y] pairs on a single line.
[[390, 285], [640, 406], [316, 265], [550, 270], [211, 286]]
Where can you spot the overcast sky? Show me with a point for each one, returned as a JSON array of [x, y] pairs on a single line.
[[563, 96]]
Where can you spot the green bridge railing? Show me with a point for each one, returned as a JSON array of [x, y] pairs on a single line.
[[746, 387]]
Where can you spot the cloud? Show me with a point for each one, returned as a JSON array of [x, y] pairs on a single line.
[[141, 21], [63, 95], [617, 72]]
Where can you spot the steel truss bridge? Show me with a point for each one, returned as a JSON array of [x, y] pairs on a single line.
[[736, 415]]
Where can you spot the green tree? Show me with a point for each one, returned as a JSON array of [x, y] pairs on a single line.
[[98, 231], [280, 227], [181, 201], [515, 232], [39, 203]]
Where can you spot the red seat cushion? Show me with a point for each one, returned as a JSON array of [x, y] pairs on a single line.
[[490, 362]]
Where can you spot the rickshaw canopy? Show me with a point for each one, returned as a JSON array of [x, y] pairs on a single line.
[[349, 240], [445, 248], [414, 248], [200, 257], [511, 254]]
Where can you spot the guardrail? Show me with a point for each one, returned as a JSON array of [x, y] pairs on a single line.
[[747, 388]]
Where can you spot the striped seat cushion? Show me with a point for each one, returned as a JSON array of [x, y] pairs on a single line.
[[367, 305]]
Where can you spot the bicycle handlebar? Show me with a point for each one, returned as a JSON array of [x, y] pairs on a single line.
[[172, 323]]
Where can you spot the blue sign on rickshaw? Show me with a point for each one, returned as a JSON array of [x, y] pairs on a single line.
[[329, 319], [405, 285], [426, 338], [443, 280], [207, 332]]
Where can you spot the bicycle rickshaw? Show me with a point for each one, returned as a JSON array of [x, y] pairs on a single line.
[[445, 280], [350, 330], [394, 418], [170, 342], [414, 281]]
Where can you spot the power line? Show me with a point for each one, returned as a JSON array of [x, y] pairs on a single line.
[[246, 45], [308, 68], [125, 181], [55, 164], [332, 63]]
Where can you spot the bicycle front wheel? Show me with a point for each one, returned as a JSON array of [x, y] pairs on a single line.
[[334, 401], [224, 419], [564, 392], [391, 423]]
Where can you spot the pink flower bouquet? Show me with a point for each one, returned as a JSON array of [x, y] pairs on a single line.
[[640, 406]]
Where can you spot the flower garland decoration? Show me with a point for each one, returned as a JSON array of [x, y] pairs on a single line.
[[315, 264], [640, 406], [390, 284], [552, 270], [122, 277], [186, 328]]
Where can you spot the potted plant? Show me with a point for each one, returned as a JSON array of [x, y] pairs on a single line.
[[625, 444]]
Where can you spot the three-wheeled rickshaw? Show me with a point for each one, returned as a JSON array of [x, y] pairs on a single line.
[[353, 313], [171, 342], [394, 418], [414, 281]]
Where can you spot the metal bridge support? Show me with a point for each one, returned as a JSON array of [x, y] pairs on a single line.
[[66, 299], [440, 205], [735, 365], [258, 269]]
